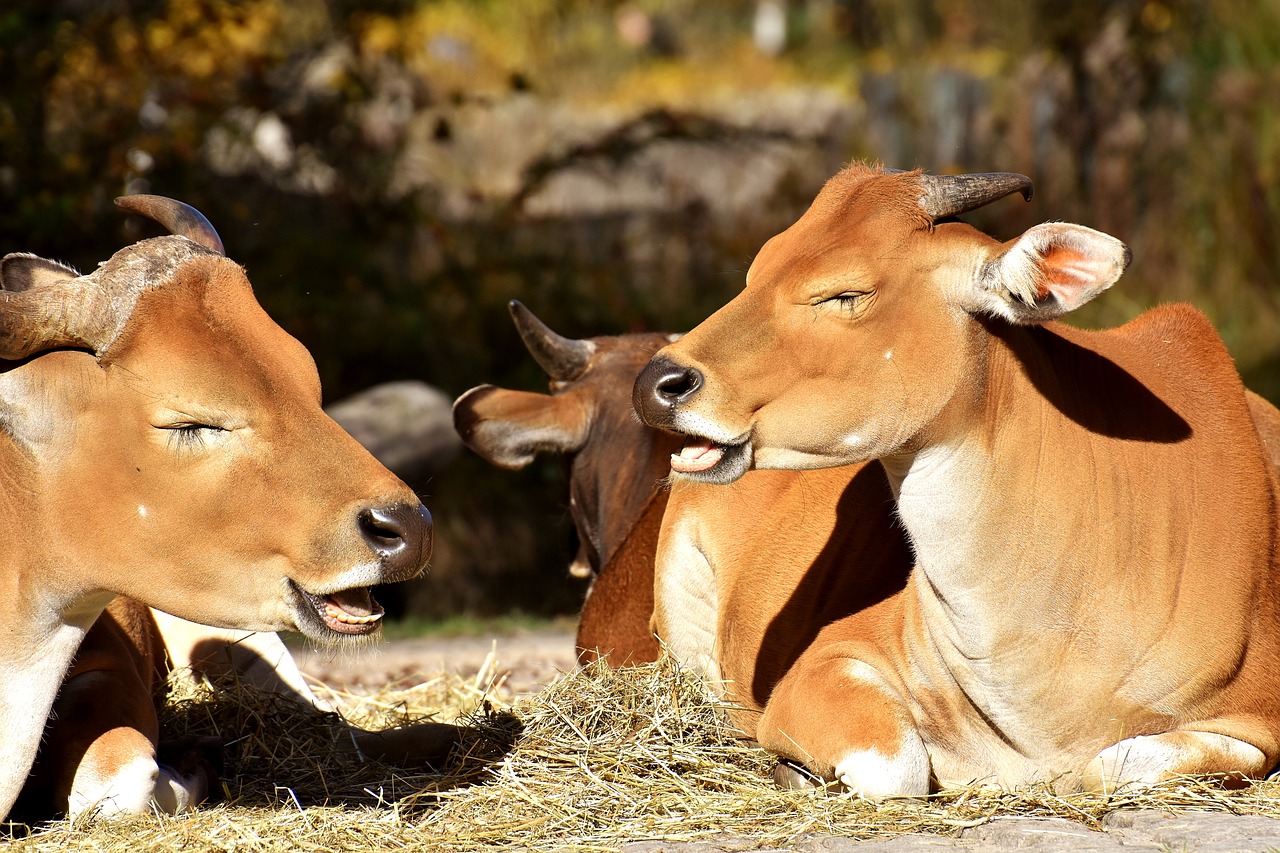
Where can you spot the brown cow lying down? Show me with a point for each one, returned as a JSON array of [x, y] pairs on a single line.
[[780, 555], [163, 439], [1094, 600]]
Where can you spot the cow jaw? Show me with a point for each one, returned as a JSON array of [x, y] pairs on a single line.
[[346, 613], [708, 461]]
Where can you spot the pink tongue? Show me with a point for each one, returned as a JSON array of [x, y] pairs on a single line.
[[698, 454]]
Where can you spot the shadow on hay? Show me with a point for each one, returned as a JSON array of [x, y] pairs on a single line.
[[277, 751]]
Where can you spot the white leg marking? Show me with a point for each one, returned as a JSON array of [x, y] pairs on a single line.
[[871, 774], [1148, 759], [176, 793], [130, 790], [260, 660], [876, 774]]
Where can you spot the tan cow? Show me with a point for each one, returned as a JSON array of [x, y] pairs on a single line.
[[820, 545], [1093, 514], [163, 439], [616, 468]]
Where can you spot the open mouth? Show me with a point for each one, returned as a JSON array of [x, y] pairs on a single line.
[[348, 611], [703, 459]]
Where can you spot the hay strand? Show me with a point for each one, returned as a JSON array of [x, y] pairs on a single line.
[[600, 757]]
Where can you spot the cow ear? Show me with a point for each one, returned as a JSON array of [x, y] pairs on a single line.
[[20, 272], [1048, 271], [509, 427]]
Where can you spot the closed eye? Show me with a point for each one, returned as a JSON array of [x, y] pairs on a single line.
[[190, 436], [848, 300]]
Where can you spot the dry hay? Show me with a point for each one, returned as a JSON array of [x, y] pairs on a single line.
[[601, 757]]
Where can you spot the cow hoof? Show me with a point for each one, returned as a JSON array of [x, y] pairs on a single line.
[[790, 776], [190, 770]]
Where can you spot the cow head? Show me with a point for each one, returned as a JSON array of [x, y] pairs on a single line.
[[614, 461], [163, 439], [860, 331]]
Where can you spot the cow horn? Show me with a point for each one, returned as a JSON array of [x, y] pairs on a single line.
[[951, 195], [562, 358], [181, 219], [45, 306]]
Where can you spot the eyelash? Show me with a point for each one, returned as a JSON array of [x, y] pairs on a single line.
[[190, 436], [847, 300]]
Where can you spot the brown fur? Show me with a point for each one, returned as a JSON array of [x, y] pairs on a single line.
[[616, 468]]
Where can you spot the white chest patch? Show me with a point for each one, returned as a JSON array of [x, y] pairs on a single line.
[[686, 602]]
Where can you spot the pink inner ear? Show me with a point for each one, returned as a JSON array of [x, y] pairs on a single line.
[[1070, 275]]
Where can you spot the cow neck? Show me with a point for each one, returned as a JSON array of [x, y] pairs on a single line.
[[1014, 510]]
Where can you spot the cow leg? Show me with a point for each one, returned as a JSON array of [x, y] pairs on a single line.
[[101, 751], [256, 659], [30, 687], [844, 722], [1148, 759]]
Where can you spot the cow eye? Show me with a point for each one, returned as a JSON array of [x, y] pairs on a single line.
[[189, 436], [847, 300]]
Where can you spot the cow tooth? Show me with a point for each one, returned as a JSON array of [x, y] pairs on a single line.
[[342, 616]]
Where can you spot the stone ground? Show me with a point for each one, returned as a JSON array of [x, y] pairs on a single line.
[[1122, 832], [529, 659]]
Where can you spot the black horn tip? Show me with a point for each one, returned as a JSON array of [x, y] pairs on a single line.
[[562, 358], [178, 217]]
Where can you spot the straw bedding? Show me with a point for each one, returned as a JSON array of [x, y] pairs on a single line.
[[596, 759]]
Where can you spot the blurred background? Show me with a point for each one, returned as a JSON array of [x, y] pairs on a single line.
[[391, 172]]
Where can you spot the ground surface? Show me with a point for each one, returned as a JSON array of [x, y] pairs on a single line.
[[1123, 832], [522, 661]]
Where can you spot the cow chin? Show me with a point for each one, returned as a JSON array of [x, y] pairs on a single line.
[[338, 618]]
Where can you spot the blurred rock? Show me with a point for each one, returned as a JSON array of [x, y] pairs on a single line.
[[407, 426]]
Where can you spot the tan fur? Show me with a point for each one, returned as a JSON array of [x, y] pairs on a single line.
[[101, 496], [1094, 514]]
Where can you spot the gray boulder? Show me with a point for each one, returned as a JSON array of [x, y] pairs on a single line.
[[407, 426]]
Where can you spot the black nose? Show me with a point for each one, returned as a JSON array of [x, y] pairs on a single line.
[[401, 537], [660, 387]]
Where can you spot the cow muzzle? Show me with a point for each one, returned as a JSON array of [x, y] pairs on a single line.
[[660, 388], [400, 537], [660, 391]]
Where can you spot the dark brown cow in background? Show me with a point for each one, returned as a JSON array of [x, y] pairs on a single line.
[[616, 468]]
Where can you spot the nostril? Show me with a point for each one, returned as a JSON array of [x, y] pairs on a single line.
[[679, 383], [383, 529], [660, 387], [401, 537]]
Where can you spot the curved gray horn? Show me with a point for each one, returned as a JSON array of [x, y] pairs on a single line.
[[562, 358], [950, 195], [181, 219], [44, 305]]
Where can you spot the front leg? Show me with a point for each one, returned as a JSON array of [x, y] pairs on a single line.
[[1149, 759], [841, 719], [99, 748], [35, 661]]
